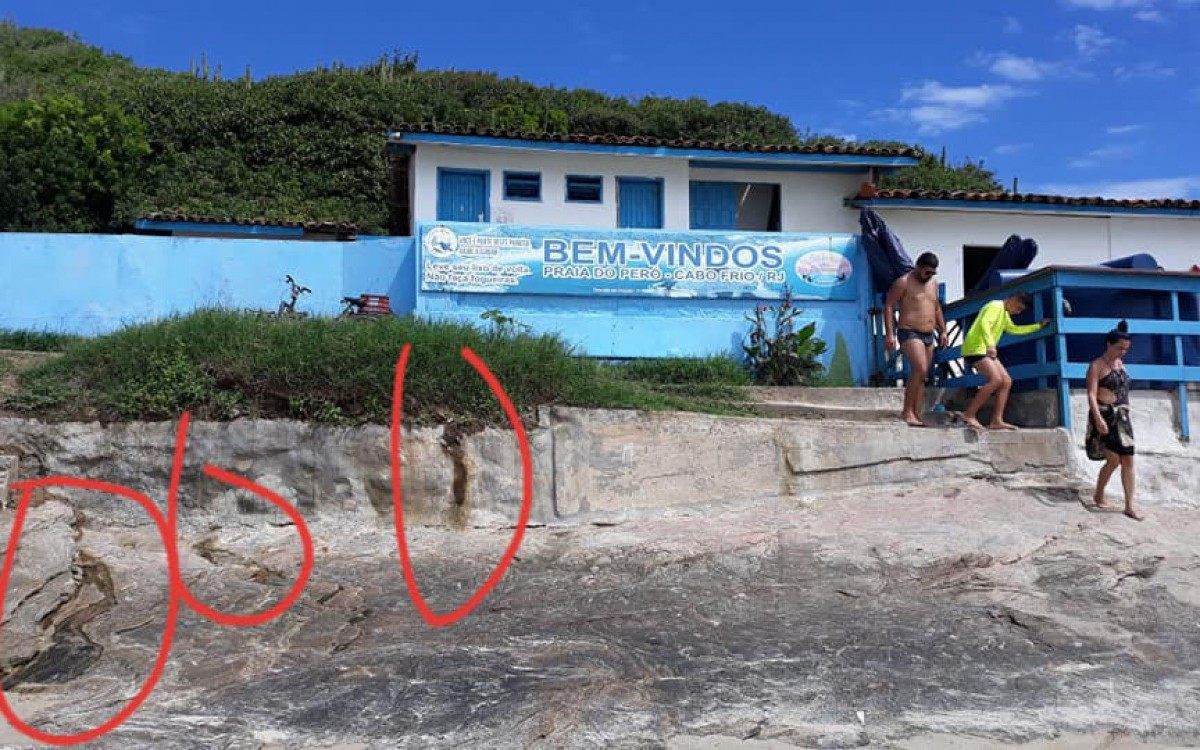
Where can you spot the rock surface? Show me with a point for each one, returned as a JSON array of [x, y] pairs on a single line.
[[960, 613]]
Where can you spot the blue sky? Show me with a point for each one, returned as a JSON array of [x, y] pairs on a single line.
[[1071, 96]]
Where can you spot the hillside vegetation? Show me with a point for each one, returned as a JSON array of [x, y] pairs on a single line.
[[89, 141]]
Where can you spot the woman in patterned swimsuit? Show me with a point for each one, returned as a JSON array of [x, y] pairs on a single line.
[[1110, 431]]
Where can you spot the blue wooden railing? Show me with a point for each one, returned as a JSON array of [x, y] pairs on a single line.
[[1051, 366]]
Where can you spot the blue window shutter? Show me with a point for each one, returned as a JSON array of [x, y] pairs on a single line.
[[462, 195], [640, 202], [713, 205]]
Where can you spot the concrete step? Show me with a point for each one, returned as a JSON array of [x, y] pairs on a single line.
[[870, 398], [613, 462], [797, 410], [825, 412]]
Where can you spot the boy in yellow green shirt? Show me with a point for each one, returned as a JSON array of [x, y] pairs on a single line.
[[979, 350]]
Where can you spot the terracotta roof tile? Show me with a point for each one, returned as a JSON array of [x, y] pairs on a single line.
[[873, 193], [610, 139]]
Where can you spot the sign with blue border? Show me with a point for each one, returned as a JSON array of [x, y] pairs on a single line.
[[511, 259]]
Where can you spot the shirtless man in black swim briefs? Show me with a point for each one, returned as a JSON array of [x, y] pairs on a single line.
[[921, 326]]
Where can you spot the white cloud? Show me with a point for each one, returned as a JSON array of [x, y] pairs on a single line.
[[1008, 149], [1091, 41], [1111, 152], [934, 119], [974, 97], [1012, 25], [1149, 70], [1151, 16], [1115, 151], [1123, 129], [937, 108], [1016, 68], [1108, 4], [1161, 187]]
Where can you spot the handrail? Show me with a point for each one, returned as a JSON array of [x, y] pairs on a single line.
[[1052, 361]]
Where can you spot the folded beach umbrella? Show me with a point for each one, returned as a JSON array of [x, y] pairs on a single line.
[[1016, 255], [885, 253]]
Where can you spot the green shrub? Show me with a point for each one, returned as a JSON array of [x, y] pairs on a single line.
[[778, 353], [36, 341]]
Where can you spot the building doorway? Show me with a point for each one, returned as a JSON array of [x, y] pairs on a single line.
[[976, 260], [748, 206]]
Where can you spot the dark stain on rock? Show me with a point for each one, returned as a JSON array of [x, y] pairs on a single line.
[[72, 653], [208, 549], [453, 448]]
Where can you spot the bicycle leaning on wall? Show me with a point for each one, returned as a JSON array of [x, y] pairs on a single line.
[[287, 308]]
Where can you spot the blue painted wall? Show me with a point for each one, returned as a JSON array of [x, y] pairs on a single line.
[[629, 325], [94, 284], [607, 327]]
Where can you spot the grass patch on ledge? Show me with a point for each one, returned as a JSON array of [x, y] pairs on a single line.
[[222, 365]]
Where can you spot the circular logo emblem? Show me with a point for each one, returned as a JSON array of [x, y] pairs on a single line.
[[441, 241], [823, 268]]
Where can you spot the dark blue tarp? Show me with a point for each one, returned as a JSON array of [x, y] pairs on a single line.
[[1016, 255], [885, 253], [1139, 261]]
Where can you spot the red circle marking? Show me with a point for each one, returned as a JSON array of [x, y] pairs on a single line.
[[410, 579], [221, 475]]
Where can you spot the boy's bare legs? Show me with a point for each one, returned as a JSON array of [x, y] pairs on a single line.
[[994, 374], [1002, 392]]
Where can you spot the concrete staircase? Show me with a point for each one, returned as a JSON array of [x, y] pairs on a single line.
[[872, 405], [819, 440]]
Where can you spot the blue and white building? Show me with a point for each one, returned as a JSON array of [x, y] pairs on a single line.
[[624, 246], [612, 182]]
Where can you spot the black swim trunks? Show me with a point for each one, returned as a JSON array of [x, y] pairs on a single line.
[[908, 334], [973, 358]]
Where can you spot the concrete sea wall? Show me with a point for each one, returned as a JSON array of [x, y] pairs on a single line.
[[587, 464]]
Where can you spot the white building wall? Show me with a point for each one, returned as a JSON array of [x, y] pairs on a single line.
[[808, 201], [552, 209], [1062, 239]]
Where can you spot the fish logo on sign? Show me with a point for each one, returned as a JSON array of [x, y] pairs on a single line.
[[441, 241], [823, 268]]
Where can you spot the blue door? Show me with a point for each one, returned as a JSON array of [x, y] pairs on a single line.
[[462, 195], [714, 205], [639, 203]]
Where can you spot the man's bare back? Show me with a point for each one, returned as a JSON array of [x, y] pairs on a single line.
[[918, 304]]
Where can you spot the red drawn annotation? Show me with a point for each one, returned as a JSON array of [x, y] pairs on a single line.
[[178, 590]]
